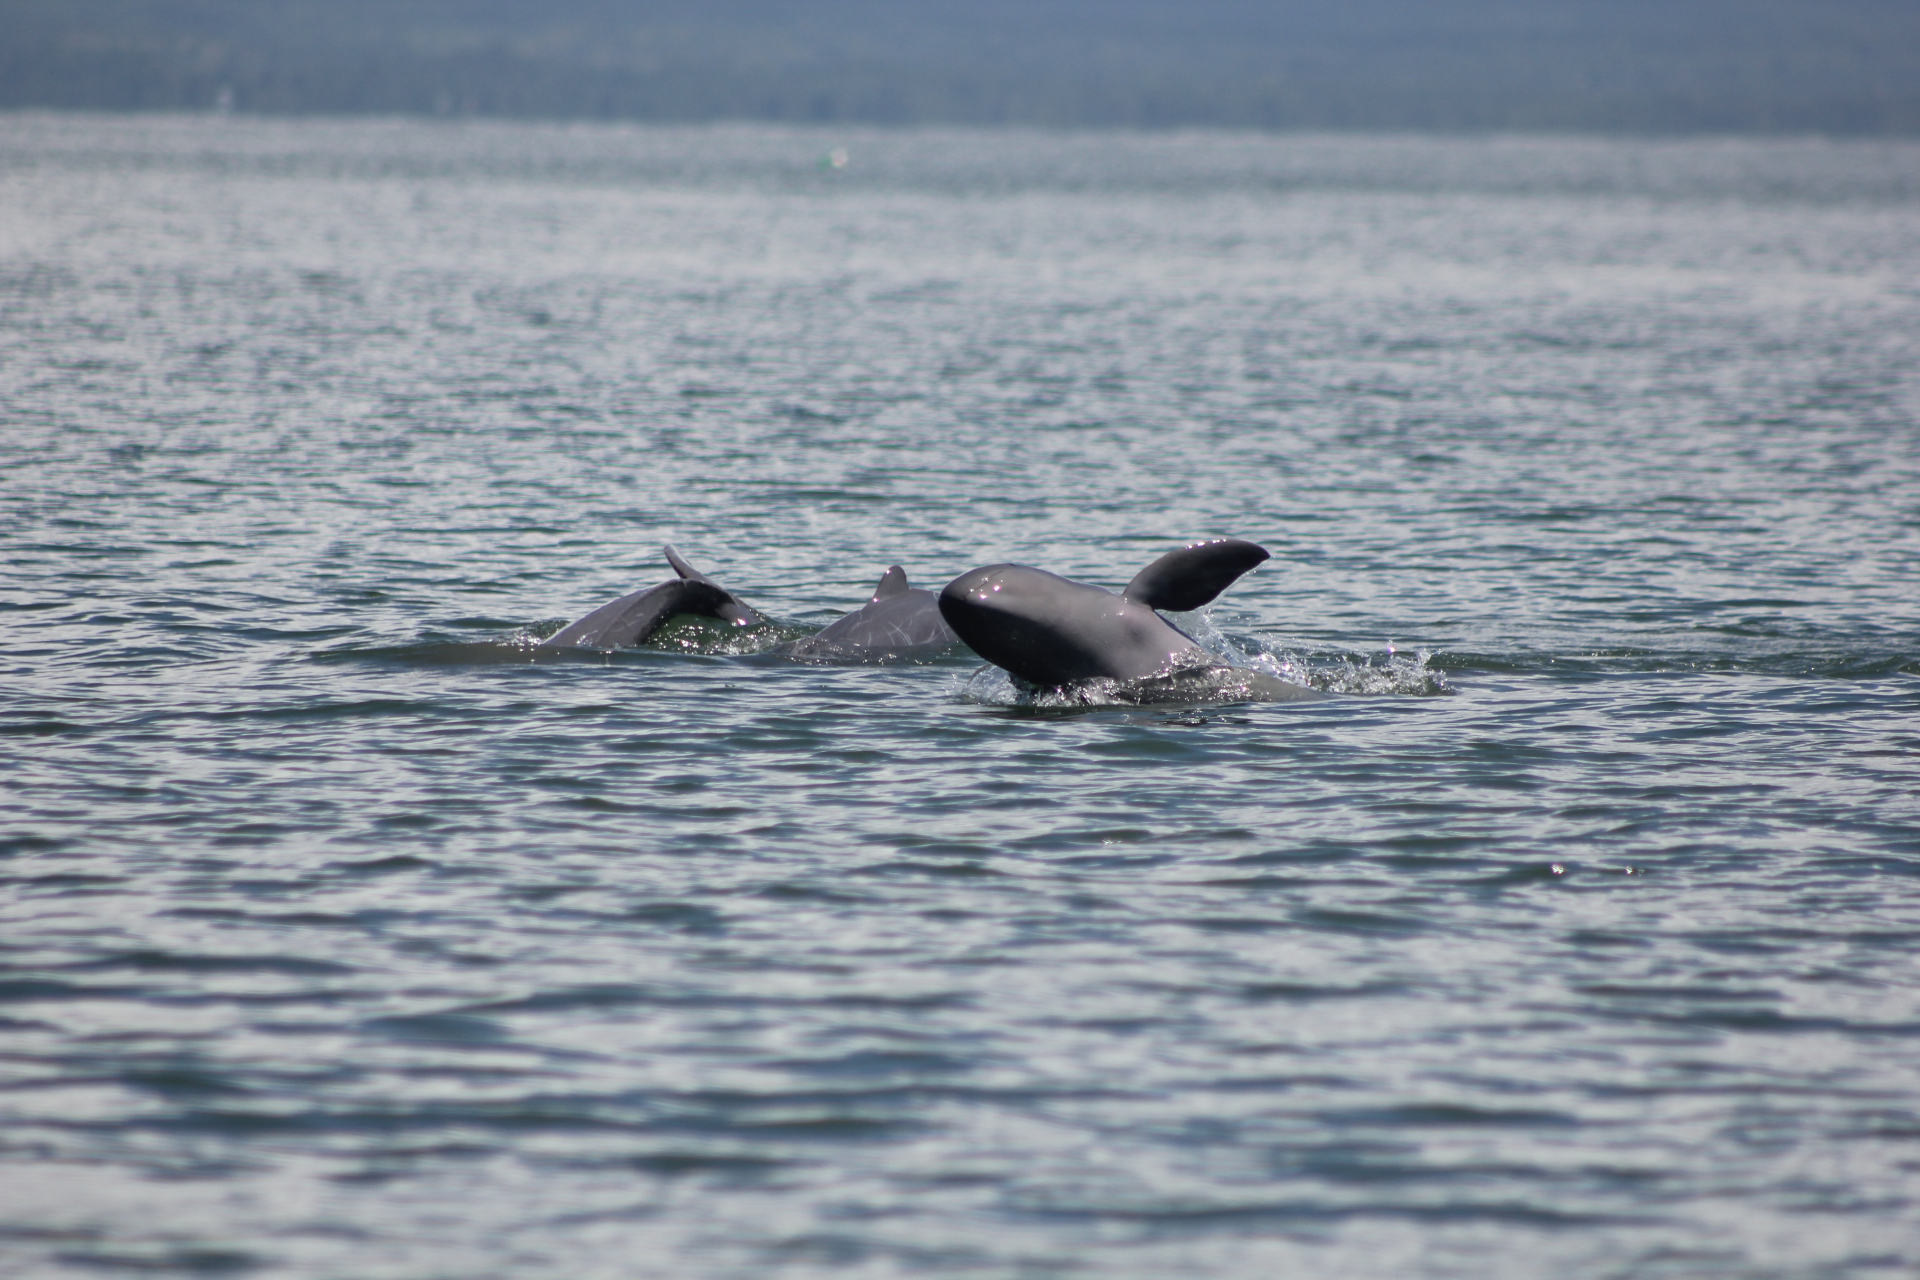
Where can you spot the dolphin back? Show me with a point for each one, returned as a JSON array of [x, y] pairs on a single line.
[[1195, 575], [900, 621], [1052, 631], [632, 618]]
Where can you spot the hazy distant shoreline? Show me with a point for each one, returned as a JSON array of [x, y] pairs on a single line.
[[777, 155], [1850, 68]]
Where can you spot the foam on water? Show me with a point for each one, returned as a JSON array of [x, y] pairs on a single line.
[[1228, 681]]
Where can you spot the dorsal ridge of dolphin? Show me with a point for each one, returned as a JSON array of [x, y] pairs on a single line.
[[898, 621], [1194, 575]]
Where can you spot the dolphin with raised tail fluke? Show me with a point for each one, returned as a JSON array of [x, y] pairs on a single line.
[[1053, 632]]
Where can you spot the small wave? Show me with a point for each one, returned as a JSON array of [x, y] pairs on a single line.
[[709, 637], [441, 653], [1248, 671], [1389, 672], [685, 635], [991, 686], [1393, 674]]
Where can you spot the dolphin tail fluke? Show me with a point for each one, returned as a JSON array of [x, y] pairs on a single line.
[[1194, 575]]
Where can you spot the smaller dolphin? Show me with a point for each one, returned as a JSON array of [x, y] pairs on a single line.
[[632, 618], [1051, 631], [900, 621]]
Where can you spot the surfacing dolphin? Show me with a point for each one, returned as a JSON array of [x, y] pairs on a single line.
[[1051, 631], [900, 621], [632, 618]]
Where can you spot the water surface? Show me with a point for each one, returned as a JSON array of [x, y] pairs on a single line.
[[342, 937]]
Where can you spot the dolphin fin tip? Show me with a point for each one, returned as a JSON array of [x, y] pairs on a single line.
[[680, 565]]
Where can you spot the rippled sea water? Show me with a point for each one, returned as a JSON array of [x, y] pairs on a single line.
[[341, 935]]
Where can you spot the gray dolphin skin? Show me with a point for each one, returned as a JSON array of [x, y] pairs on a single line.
[[1051, 631], [632, 618], [900, 621]]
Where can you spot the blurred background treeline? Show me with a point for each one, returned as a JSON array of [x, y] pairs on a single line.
[[1637, 66]]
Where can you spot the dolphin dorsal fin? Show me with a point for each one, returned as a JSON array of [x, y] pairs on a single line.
[[892, 583], [681, 567], [1194, 575], [729, 608]]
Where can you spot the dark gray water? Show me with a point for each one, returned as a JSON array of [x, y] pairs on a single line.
[[342, 938]]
